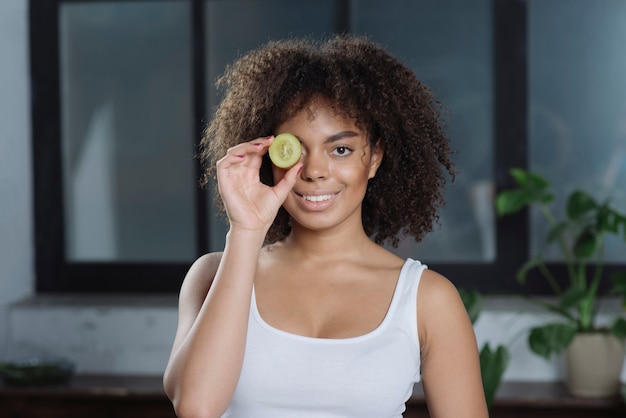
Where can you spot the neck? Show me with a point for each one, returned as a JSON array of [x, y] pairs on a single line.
[[327, 245]]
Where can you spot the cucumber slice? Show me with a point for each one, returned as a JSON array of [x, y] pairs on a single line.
[[285, 151]]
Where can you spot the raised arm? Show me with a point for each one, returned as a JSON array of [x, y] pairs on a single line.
[[207, 354], [450, 361]]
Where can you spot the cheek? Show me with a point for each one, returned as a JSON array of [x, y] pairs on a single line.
[[352, 174]]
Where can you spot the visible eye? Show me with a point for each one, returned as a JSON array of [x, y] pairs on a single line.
[[342, 151]]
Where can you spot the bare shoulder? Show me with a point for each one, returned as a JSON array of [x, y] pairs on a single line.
[[436, 289], [200, 276], [439, 306], [207, 264]]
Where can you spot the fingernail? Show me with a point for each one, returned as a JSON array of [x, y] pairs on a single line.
[[300, 169], [256, 144], [240, 155]]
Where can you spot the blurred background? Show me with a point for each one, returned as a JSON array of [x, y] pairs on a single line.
[[102, 104]]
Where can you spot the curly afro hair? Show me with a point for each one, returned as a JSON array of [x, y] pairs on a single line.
[[362, 81]]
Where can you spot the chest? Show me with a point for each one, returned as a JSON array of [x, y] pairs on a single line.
[[326, 306], [290, 375]]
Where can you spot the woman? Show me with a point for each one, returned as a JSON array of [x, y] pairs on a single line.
[[305, 313]]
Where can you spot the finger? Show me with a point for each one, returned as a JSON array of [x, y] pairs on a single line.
[[258, 145], [249, 152], [229, 160], [262, 144], [237, 155]]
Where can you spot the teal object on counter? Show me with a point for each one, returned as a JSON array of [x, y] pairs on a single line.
[[36, 372]]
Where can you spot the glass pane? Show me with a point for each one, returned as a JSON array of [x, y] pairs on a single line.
[[256, 23], [577, 105], [127, 137], [448, 44]]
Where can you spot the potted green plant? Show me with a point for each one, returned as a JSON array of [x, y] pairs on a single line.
[[580, 235]]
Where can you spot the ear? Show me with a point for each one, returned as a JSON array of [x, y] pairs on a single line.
[[376, 159]]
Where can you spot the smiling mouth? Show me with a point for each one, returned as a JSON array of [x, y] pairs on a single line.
[[320, 198]]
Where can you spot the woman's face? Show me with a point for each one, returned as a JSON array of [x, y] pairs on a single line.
[[338, 162]]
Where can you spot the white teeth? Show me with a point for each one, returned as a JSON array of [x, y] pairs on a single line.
[[318, 198]]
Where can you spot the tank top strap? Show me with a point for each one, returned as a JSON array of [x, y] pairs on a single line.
[[403, 310], [408, 284]]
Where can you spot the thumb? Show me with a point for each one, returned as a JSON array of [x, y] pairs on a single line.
[[284, 186]]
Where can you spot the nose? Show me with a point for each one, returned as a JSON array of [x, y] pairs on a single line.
[[315, 166]]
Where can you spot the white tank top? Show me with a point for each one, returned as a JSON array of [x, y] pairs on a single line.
[[286, 375]]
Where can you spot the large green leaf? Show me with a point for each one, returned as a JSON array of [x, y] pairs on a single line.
[[579, 204], [550, 339], [511, 201], [529, 180], [533, 189], [522, 177], [493, 364], [587, 243], [608, 220]]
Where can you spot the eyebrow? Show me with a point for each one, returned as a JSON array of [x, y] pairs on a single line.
[[340, 135]]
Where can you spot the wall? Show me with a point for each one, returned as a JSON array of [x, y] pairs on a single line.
[[16, 252], [128, 335], [103, 335]]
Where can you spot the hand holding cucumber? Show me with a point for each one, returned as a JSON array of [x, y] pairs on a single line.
[[249, 203]]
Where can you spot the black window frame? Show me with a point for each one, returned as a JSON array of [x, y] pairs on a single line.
[[54, 274]]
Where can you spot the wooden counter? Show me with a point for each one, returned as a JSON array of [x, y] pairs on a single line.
[[89, 397], [138, 396], [537, 400]]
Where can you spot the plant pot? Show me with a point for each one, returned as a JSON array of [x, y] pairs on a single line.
[[594, 365]]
